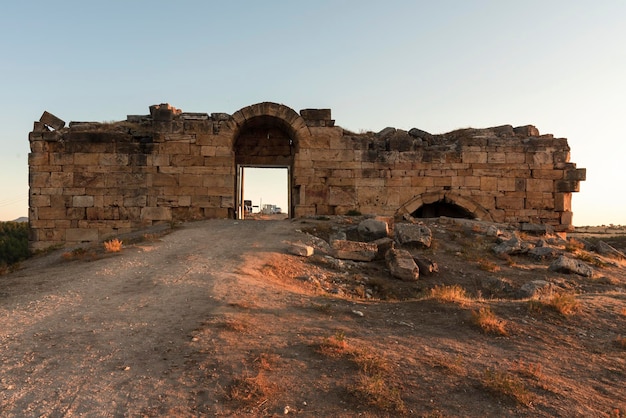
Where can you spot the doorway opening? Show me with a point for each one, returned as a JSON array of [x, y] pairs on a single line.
[[263, 192]]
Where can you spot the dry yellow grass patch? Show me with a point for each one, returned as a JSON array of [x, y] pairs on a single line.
[[506, 384], [489, 322], [454, 293]]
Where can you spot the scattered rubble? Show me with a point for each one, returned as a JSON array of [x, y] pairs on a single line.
[[356, 267]]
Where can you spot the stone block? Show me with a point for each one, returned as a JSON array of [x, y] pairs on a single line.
[[52, 121], [82, 158], [372, 229], [401, 265], [353, 250], [61, 179], [156, 214], [107, 159], [342, 196], [138, 201], [81, 235], [82, 201], [413, 234], [38, 158], [539, 185], [567, 186], [579, 174], [474, 157], [563, 202], [489, 184], [509, 203]]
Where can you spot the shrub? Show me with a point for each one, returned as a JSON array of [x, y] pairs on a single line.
[[13, 242], [353, 212], [113, 246]]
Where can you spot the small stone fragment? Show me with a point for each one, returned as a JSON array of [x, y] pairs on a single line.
[[301, 250]]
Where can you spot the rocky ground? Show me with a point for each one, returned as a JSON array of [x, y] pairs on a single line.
[[223, 318]]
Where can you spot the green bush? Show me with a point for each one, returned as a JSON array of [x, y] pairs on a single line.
[[13, 242]]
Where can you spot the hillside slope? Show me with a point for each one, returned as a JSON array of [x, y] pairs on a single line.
[[217, 318]]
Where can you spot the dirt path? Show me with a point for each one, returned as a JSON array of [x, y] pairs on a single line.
[[111, 336]]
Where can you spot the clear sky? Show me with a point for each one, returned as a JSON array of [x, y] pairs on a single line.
[[436, 65]]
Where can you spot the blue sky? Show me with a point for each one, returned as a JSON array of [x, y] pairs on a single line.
[[438, 66]]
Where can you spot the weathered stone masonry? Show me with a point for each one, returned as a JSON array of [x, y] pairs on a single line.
[[90, 181]]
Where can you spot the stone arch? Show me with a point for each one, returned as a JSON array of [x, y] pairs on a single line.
[[267, 135], [465, 203], [274, 114]]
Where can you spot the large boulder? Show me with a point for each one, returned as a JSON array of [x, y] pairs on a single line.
[[413, 234], [606, 250], [401, 265], [372, 229], [353, 250], [570, 265]]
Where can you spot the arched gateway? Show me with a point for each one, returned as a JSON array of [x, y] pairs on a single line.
[[267, 135], [91, 181]]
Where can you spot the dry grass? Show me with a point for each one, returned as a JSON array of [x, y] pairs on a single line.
[[375, 381], [488, 322], [486, 265], [251, 390], [454, 294], [574, 245], [79, 253], [369, 362], [529, 370], [235, 325], [377, 392], [620, 341], [113, 246], [503, 383], [334, 346], [564, 303]]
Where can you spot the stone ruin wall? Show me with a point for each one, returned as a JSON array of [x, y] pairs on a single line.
[[91, 181]]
